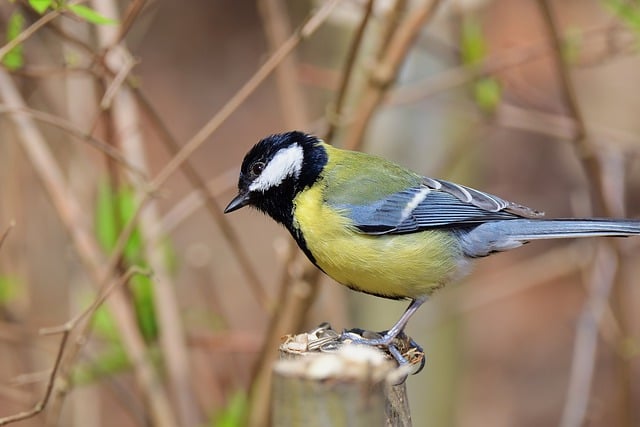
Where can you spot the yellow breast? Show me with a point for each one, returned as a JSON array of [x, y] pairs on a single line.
[[396, 266]]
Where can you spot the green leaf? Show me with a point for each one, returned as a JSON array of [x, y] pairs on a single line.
[[90, 15], [472, 43], [234, 414], [114, 209], [14, 59], [571, 45], [487, 93], [104, 325], [109, 362], [40, 6], [127, 206], [106, 221], [9, 289], [142, 289], [627, 11]]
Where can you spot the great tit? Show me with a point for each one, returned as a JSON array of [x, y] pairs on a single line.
[[379, 228]]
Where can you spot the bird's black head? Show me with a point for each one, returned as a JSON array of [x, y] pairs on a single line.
[[275, 170]]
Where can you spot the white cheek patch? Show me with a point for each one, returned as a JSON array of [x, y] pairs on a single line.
[[287, 162]]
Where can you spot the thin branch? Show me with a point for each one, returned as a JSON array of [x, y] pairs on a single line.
[[48, 390], [125, 120], [602, 279], [70, 128], [335, 111], [6, 232], [385, 71], [194, 200], [77, 225], [28, 32], [65, 330], [277, 29], [121, 75], [291, 295], [561, 127], [129, 17], [102, 296], [606, 263], [208, 199], [583, 149], [304, 32]]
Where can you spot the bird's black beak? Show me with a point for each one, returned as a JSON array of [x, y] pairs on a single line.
[[241, 200]]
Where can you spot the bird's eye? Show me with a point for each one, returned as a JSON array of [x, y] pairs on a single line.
[[257, 168]]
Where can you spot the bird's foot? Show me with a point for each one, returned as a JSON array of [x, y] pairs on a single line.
[[401, 347]]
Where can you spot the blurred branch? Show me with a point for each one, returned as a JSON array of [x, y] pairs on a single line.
[[384, 72], [583, 149], [601, 281], [204, 194], [277, 28], [66, 330], [73, 130], [294, 295], [564, 128], [606, 262], [298, 295], [6, 233], [28, 32], [125, 119], [194, 200], [128, 18], [512, 57], [303, 32], [77, 225], [542, 269], [48, 388], [335, 110], [102, 296]]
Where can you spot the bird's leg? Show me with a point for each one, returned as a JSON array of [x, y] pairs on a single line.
[[392, 333]]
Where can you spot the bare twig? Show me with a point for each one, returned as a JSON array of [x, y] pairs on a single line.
[[583, 149], [128, 62], [208, 199], [602, 278], [291, 294], [48, 389], [70, 128], [129, 17], [305, 31], [65, 330], [126, 124], [277, 30], [102, 296], [385, 71], [335, 110], [28, 32], [6, 233], [87, 249], [564, 127], [194, 200], [299, 294], [601, 281]]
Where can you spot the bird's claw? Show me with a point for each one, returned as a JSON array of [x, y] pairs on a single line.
[[402, 348]]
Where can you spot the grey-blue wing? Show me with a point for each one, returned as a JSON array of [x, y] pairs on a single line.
[[434, 203]]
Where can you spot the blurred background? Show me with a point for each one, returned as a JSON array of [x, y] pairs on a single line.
[[122, 128]]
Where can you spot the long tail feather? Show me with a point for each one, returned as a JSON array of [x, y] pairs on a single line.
[[497, 236]]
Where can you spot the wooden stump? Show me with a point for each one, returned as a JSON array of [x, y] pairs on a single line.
[[350, 385]]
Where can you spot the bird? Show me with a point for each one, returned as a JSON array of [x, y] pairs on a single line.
[[379, 228]]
